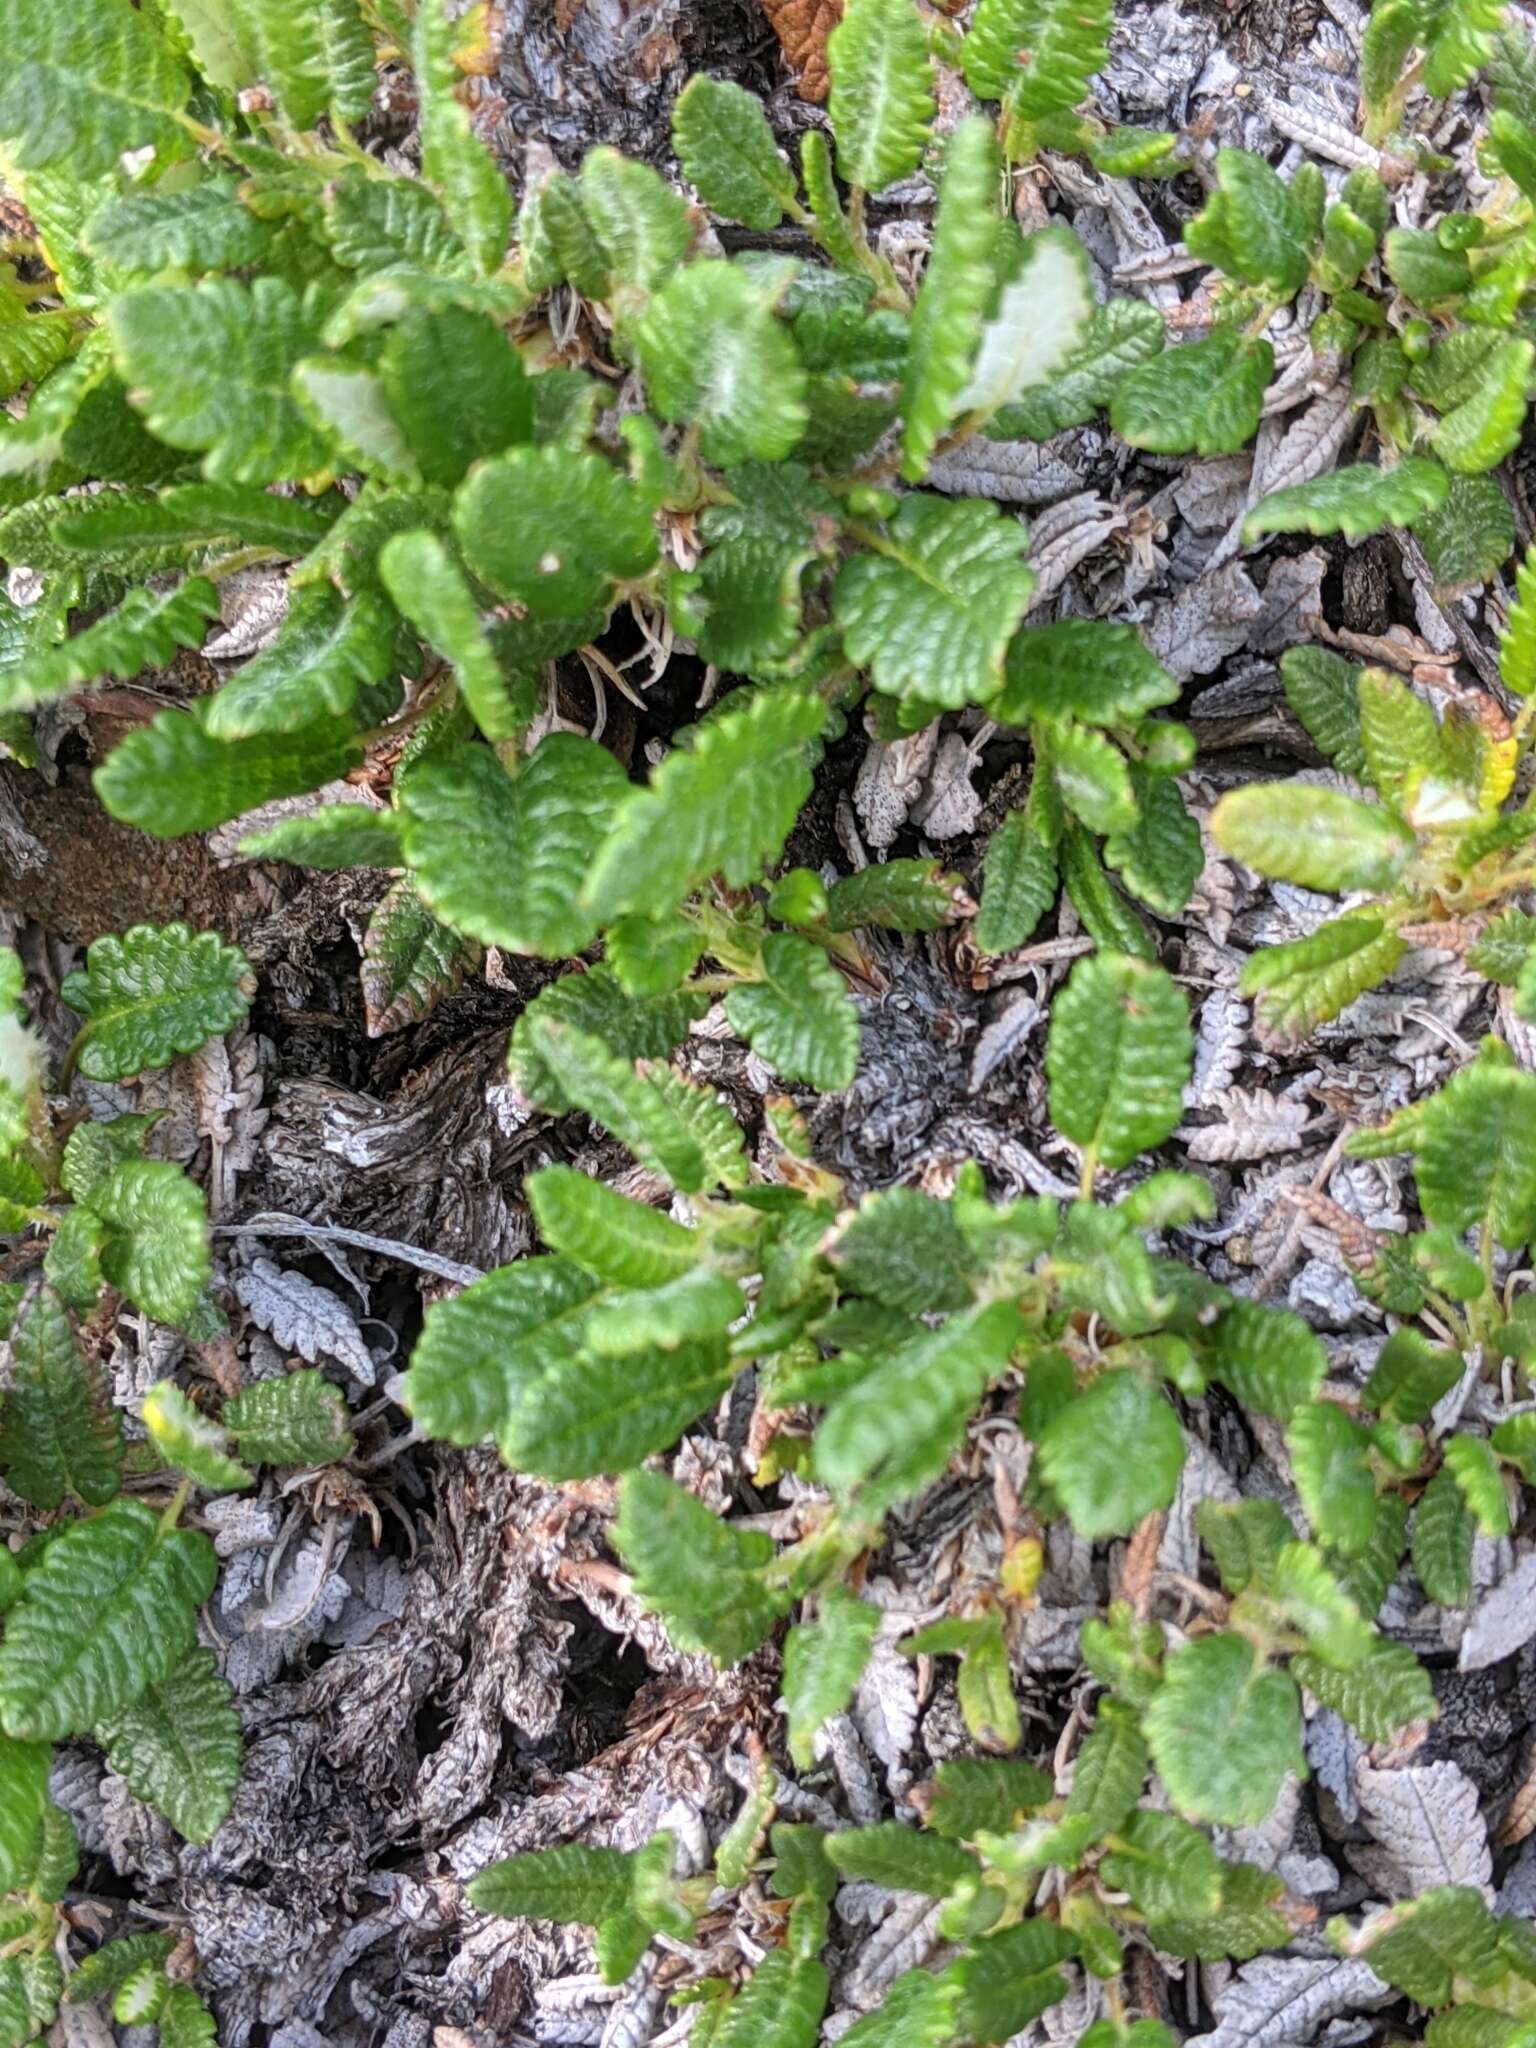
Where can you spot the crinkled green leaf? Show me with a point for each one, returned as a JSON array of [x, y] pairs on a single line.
[[1036, 56], [1224, 1731], [155, 1250], [573, 1885], [799, 1017], [338, 835], [1320, 687], [553, 529], [618, 1239], [483, 1352], [296, 1419], [152, 993], [86, 83], [144, 631], [703, 1576], [932, 609], [108, 1610], [1018, 887], [727, 153], [315, 57], [1267, 1357], [177, 1746], [1311, 1598], [1381, 1694], [1160, 857], [897, 1857], [1090, 669], [1252, 226], [59, 1432], [779, 2006], [1113, 1454], [205, 227], [1118, 1057], [172, 777], [1484, 428], [881, 102], [715, 358], [644, 1027], [823, 1662], [455, 163], [1116, 337], [903, 1247], [411, 960], [1204, 396], [1471, 534], [1481, 1484], [1330, 1457], [1355, 501], [190, 1441], [895, 895], [428, 588], [1443, 1530], [1410, 1375], [1168, 1868], [957, 286]]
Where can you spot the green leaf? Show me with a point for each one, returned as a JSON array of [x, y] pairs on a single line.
[[411, 960], [1401, 738], [1481, 1483], [1304, 983], [1314, 1602], [1410, 1375], [714, 357], [1443, 1530], [1267, 1357], [915, 1401], [1320, 687], [1224, 1731], [1036, 56], [1090, 669], [701, 1574], [1167, 1867], [1470, 536], [177, 1746], [696, 1306], [1204, 396], [454, 161], [881, 101], [1245, 1538], [1113, 1454], [724, 804], [189, 1441], [503, 859], [1160, 858], [1007, 1979], [184, 2021], [378, 224], [645, 1027], [1246, 1920], [1118, 1057], [610, 1090], [823, 1662], [748, 594], [153, 993], [1384, 1692], [29, 1995], [59, 1432], [297, 1419], [952, 299], [484, 1352], [426, 586], [1330, 1457], [208, 365], [1018, 886], [903, 1248], [1117, 336], [108, 1610], [917, 2011], [1108, 1773], [120, 528], [1297, 832], [144, 631], [171, 777], [1040, 312], [1486, 427], [779, 2006], [799, 1018], [1456, 36], [1355, 501], [1473, 1158], [573, 1885], [553, 529], [1424, 270], [325, 648], [641, 224], [155, 1250], [457, 389], [314, 56], [621, 1241], [970, 1795], [1517, 643], [727, 153], [895, 895], [86, 85], [338, 835], [346, 403], [1252, 226], [206, 227], [895, 1856], [931, 611], [23, 1802]]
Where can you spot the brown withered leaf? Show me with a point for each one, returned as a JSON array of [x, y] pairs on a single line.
[[802, 27]]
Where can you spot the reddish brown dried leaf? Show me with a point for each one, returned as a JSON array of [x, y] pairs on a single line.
[[802, 27]]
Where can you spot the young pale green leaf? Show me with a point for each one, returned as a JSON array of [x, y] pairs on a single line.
[[1330, 1457], [823, 1662], [1113, 1454], [715, 358], [1320, 687], [931, 609], [725, 803], [483, 1352], [799, 1017], [573, 1885], [155, 1250], [106, 1969], [190, 1441], [59, 1432], [1267, 1357], [183, 2020], [896, 1857], [297, 1419], [346, 403], [338, 835], [1443, 1530], [1469, 537], [454, 161], [208, 366], [553, 529], [702, 1575], [727, 153], [881, 102], [144, 631], [1517, 644], [428, 588], [501, 858], [1036, 56], [1092, 779], [1384, 1692], [909, 1409], [171, 776], [85, 85], [957, 286], [1040, 312], [1484, 428], [1481, 1483], [1399, 734], [1297, 832], [177, 1746], [1168, 1868], [153, 993], [1313, 1601], [694, 1308], [1117, 1057], [1224, 1731], [108, 1610], [1091, 669], [1204, 396], [411, 960], [1252, 226], [1355, 501], [1019, 882], [641, 225], [621, 1241]]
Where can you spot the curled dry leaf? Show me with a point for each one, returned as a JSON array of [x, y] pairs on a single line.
[[802, 27]]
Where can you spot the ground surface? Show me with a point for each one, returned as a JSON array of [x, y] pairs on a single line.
[[441, 1665]]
